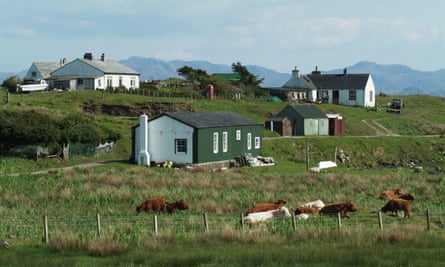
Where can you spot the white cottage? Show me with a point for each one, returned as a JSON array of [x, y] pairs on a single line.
[[95, 74]]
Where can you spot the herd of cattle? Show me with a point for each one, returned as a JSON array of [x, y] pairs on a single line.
[[398, 200]]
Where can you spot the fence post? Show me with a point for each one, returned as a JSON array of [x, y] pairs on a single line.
[[428, 219], [98, 223], [294, 224], [206, 224], [45, 229], [339, 220], [380, 221], [155, 224]]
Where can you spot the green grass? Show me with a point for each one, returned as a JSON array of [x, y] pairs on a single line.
[[72, 199]]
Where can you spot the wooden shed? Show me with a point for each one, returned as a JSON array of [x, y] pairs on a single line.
[[306, 119], [280, 125], [336, 124]]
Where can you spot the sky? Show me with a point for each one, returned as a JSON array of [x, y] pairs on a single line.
[[276, 34]]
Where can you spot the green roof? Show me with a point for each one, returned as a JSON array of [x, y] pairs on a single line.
[[234, 76]]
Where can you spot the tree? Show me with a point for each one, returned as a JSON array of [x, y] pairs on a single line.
[[251, 82], [193, 75], [11, 83]]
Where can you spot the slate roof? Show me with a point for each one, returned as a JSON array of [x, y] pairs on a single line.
[[109, 66], [210, 119], [308, 111], [46, 68], [339, 81]]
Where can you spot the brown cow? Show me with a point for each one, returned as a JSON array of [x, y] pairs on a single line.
[[178, 205], [266, 206], [394, 205], [301, 210], [154, 204], [342, 208], [392, 193]]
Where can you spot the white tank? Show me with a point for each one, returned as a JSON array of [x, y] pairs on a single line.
[[143, 155]]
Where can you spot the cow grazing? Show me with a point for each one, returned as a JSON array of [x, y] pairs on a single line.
[[266, 206], [407, 196], [394, 205], [154, 204], [177, 205], [392, 193], [257, 217], [314, 204], [342, 208]]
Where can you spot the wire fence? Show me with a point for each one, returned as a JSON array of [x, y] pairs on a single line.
[[135, 227]]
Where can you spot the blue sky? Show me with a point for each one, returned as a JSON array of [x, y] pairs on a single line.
[[278, 34]]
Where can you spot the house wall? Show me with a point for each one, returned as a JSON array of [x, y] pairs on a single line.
[[34, 69], [162, 133], [370, 93], [208, 151]]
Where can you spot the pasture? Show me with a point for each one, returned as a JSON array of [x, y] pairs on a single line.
[[71, 199]]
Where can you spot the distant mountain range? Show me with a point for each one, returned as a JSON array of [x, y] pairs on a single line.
[[393, 79]]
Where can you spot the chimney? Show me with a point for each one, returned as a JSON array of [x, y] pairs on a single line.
[[88, 56], [102, 57], [316, 71], [142, 147], [345, 71], [296, 72], [64, 61]]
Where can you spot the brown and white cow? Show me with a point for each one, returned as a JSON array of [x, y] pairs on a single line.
[[154, 204], [391, 193], [394, 205], [301, 210], [342, 208], [266, 206], [177, 205]]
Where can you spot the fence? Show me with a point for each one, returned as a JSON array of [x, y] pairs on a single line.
[[137, 227]]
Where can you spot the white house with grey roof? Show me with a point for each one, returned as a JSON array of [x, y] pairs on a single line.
[[41, 70], [96, 74], [348, 89], [195, 137]]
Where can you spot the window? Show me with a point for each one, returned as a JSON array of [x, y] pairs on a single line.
[[352, 95], [238, 135], [80, 82], [99, 84], [371, 96], [249, 141], [257, 142], [132, 82], [224, 141], [34, 74], [109, 82], [215, 143], [180, 146]]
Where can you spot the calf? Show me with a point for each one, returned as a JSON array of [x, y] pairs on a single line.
[[342, 208], [407, 196], [154, 204], [178, 205], [394, 205], [266, 206], [314, 204], [301, 210], [390, 194]]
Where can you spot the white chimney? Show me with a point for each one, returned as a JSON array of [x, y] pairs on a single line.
[[143, 155]]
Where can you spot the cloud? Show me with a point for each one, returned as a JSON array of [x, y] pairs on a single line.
[[21, 31]]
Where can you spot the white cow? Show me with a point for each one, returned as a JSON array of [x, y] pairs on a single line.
[[314, 204], [262, 216]]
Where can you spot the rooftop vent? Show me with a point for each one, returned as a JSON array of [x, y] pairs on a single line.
[[88, 56]]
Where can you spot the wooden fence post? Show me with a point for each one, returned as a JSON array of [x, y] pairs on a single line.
[[45, 229], [155, 224], [294, 224], [98, 223], [339, 220], [380, 221], [206, 223], [307, 155], [428, 219]]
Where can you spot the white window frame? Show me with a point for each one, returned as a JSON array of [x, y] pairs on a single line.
[[225, 144], [238, 135], [215, 143], [257, 142], [249, 141]]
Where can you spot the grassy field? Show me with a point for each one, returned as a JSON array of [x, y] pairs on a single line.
[[71, 199]]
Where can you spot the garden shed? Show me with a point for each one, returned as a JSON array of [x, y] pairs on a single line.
[[195, 137], [280, 125], [337, 124], [306, 119]]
